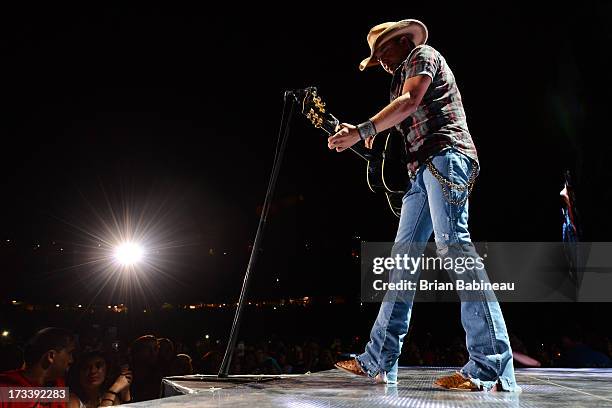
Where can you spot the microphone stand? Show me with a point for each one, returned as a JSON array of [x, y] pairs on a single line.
[[223, 375], [278, 157]]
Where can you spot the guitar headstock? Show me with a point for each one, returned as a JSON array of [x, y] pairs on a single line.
[[314, 109]]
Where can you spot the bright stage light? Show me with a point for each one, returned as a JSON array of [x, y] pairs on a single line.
[[129, 253]]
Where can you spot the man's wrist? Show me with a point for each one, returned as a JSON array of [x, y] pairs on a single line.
[[366, 129]]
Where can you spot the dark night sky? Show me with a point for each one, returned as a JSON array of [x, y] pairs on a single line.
[[173, 113]]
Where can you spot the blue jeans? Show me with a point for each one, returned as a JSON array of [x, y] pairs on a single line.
[[425, 209]]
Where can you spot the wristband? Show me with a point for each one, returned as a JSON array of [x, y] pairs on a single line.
[[366, 129]]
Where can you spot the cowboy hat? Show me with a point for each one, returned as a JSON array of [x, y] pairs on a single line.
[[382, 33]]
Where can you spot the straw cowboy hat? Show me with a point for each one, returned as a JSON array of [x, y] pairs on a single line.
[[382, 33]]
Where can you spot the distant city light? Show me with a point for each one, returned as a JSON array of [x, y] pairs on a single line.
[[57, 305], [207, 337], [5, 333], [129, 253]]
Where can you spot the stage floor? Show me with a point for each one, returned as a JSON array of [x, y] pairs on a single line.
[[557, 388]]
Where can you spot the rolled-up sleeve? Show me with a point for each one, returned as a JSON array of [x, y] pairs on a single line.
[[424, 61]]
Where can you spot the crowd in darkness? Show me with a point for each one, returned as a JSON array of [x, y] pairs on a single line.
[[99, 372]]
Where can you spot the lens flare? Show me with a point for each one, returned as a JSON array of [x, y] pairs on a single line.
[[129, 253]]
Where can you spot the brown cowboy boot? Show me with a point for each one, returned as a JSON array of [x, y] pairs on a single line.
[[457, 382], [351, 366]]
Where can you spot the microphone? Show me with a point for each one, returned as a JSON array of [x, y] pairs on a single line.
[[289, 92], [299, 93]]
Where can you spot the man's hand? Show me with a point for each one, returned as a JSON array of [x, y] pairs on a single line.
[[344, 138]]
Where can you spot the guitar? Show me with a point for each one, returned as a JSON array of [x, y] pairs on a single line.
[[386, 170]]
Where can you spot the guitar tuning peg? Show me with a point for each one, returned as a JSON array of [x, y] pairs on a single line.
[[320, 106]]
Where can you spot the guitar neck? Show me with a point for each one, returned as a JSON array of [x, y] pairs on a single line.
[[329, 125], [362, 151], [314, 109]]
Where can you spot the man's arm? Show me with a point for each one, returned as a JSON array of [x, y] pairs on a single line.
[[403, 106]]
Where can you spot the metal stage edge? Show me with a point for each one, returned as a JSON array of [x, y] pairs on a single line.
[[552, 387]]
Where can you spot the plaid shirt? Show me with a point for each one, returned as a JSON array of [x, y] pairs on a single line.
[[439, 121]]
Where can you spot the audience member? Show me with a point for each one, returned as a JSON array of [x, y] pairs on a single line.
[[181, 365], [165, 356], [47, 355], [146, 384], [580, 355], [90, 383]]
